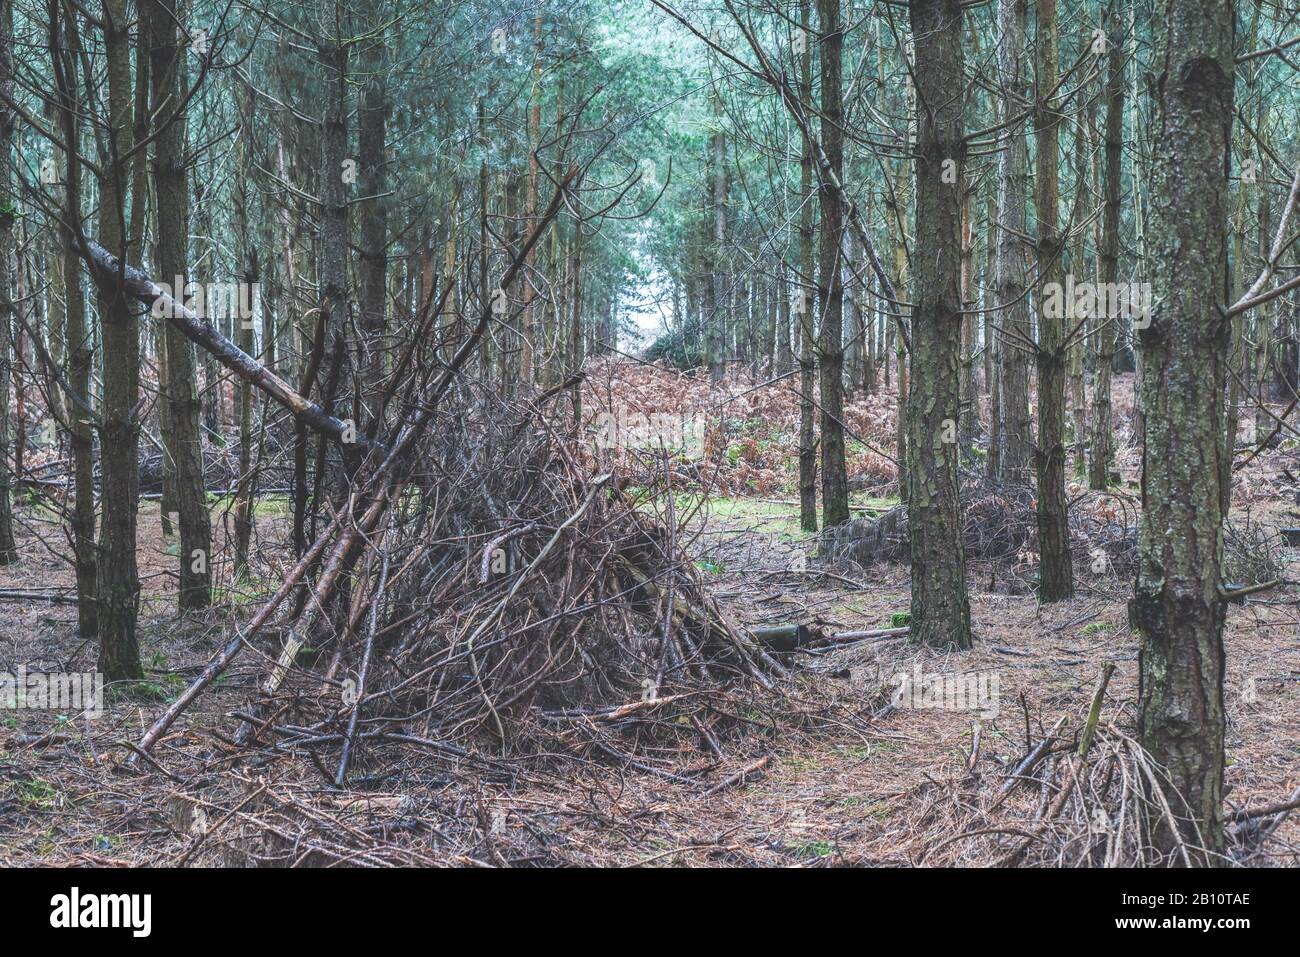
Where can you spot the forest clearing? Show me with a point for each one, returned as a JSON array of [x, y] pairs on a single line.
[[559, 433]]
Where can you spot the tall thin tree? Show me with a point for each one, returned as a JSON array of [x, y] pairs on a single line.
[[171, 188], [1056, 574], [1102, 451], [801, 305], [1178, 605], [835, 483], [940, 607], [118, 581], [8, 264], [1014, 445]]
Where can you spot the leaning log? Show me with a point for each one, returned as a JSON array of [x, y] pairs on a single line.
[[198, 330]]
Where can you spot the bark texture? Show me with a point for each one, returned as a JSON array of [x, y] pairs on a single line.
[[940, 608], [1177, 605]]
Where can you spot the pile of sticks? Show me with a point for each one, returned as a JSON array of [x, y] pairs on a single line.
[[496, 588], [1095, 798], [998, 523], [468, 571]]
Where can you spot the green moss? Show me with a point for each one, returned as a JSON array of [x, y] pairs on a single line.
[[32, 793], [796, 763], [816, 849], [264, 506]]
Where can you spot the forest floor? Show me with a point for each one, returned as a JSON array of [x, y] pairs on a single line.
[[828, 772]]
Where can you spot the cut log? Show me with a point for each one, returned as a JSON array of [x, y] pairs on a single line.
[[782, 638]]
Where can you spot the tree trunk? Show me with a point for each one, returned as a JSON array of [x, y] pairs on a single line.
[[247, 489], [118, 582], [337, 172], [65, 48], [835, 482], [167, 73], [1177, 605], [940, 609], [8, 551], [527, 356], [372, 292], [869, 311], [577, 355], [244, 500], [716, 333], [1056, 576], [784, 354], [803, 308], [992, 358], [1103, 452], [901, 278], [1015, 441], [970, 419]]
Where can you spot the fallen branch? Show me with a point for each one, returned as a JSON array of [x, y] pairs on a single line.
[[1285, 807], [738, 777], [1031, 760], [53, 596], [845, 638]]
